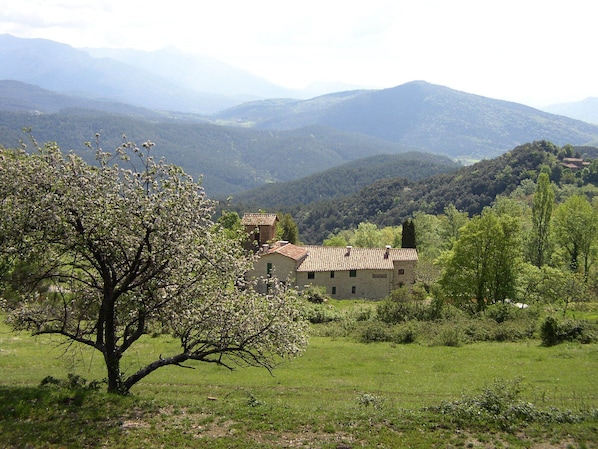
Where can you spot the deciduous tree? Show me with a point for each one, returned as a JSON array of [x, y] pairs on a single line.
[[482, 266], [127, 244], [576, 224]]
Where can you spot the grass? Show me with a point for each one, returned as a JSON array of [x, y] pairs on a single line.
[[339, 394]]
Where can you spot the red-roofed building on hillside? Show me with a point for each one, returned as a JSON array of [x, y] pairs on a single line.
[[367, 273], [575, 163]]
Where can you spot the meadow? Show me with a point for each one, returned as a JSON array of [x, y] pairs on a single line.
[[341, 394]]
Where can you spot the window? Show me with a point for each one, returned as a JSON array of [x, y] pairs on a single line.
[[353, 273], [311, 275], [401, 271], [268, 268], [353, 289], [334, 290], [331, 274]]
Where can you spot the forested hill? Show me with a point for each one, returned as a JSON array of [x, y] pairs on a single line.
[[389, 202], [343, 180], [230, 159], [435, 118]]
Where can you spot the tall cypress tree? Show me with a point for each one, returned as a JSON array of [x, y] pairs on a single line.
[[541, 218], [408, 234]]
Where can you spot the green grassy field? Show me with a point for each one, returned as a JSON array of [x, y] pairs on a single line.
[[339, 394]]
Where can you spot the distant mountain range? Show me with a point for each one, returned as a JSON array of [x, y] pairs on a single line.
[[166, 80], [16, 96], [432, 117], [68, 95]]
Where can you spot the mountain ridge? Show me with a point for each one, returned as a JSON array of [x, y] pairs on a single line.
[[62, 68], [435, 118]]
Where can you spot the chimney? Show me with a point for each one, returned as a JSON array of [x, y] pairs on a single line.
[[387, 252], [265, 248], [348, 253]]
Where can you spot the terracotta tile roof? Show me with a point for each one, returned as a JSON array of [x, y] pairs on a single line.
[[259, 219], [289, 250], [328, 258]]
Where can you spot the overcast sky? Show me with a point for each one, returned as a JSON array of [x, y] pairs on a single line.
[[535, 52]]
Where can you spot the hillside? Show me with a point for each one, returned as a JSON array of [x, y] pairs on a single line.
[[343, 180], [230, 159], [434, 118], [389, 202]]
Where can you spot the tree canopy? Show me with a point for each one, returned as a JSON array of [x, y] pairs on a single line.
[[101, 253], [482, 266]]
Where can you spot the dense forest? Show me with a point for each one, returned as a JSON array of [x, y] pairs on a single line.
[[344, 180]]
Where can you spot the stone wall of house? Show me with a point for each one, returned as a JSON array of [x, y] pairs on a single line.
[[281, 267], [366, 284]]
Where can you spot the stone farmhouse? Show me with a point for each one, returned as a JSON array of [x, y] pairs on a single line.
[[345, 272]]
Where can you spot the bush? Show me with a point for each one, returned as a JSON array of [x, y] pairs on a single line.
[[320, 313], [315, 294], [449, 335], [554, 331], [406, 333], [368, 399], [501, 312], [499, 404], [73, 382], [374, 332]]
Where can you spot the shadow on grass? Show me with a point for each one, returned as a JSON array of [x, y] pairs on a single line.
[[53, 417]]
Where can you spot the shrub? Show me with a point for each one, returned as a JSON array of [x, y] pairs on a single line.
[[391, 311], [315, 294], [73, 382], [368, 399], [499, 404], [374, 332], [406, 333], [501, 312], [320, 313], [554, 331], [449, 336]]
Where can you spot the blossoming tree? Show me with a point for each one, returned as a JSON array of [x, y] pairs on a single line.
[[98, 253]]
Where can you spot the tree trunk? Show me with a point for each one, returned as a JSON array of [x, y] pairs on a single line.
[[115, 383], [112, 354]]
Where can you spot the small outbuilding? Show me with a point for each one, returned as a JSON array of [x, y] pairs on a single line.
[[260, 227]]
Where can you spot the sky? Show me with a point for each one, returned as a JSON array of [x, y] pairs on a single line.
[[535, 52]]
